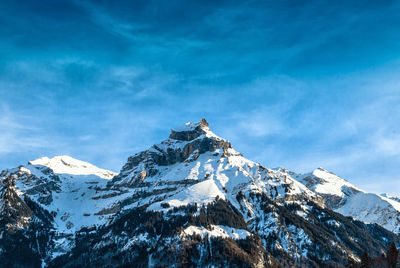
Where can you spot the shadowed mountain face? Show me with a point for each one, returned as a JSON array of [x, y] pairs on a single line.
[[191, 200]]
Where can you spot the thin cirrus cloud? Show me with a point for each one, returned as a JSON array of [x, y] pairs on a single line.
[[294, 84]]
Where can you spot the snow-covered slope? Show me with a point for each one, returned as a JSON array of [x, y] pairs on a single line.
[[68, 165], [349, 200], [67, 189], [323, 182]]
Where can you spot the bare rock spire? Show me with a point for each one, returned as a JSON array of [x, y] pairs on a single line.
[[190, 131]]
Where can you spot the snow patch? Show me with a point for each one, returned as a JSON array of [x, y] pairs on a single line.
[[202, 193], [217, 231]]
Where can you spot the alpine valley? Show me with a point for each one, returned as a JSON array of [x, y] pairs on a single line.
[[189, 201]]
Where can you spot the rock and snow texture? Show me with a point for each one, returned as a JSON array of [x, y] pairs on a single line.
[[349, 200], [322, 181], [66, 188], [195, 166]]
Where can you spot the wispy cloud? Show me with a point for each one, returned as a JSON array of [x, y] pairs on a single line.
[[17, 135]]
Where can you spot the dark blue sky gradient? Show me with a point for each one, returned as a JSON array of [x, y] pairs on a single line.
[[298, 84]]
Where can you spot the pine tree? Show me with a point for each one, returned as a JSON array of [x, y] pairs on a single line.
[[392, 254], [365, 260]]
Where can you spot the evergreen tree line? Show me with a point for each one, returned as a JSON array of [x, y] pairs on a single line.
[[389, 260]]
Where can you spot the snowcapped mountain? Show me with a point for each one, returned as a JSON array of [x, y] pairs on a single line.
[[64, 187], [68, 165], [191, 200], [345, 198]]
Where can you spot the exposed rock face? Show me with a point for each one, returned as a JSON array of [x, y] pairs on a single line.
[[26, 229], [192, 132], [185, 144], [169, 156], [15, 214]]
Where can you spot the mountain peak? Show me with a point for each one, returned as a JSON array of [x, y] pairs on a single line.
[[323, 181], [190, 131], [65, 164], [185, 144]]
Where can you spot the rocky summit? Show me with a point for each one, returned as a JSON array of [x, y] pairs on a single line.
[[188, 201]]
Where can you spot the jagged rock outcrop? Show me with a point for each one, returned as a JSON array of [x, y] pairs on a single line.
[[190, 131], [26, 229], [14, 213], [184, 144]]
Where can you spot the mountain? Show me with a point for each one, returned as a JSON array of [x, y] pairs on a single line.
[[64, 188], [191, 200], [68, 165], [345, 198]]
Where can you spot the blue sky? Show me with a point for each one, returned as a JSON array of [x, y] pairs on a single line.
[[298, 84]]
